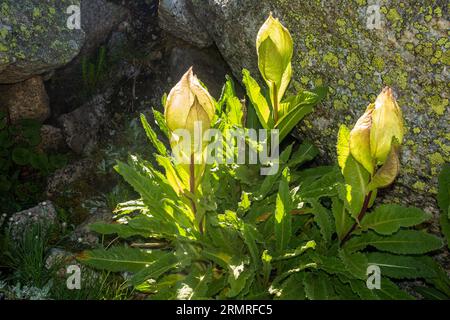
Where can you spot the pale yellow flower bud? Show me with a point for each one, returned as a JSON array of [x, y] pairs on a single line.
[[387, 123]]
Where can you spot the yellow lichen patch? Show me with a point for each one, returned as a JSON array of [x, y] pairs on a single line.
[[331, 59], [437, 104]]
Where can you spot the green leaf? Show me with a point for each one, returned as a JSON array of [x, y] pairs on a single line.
[[283, 217], [239, 276], [343, 146], [258, 100], [444, 201], [355, 263], [119, 259], [356, 179], [21, 156], [39, 161], [161, 122], [402, 242], [151, 135], [342, 219], [195, 285], [400, 267], [251, 236], [322, 219], [430, 293], [318, 286], [122, 230], [389, 218], [292, 288], [295, 108], [306, 152], [290, 120], [165, 263], [390, 291]]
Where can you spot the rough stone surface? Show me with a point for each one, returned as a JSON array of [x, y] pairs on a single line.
[[44, 214], [83, 235], [52, 138], [208, 66], [34, 38], [25, 100], [176, 17], [81, 126], [336, 46], [62, 178], [99, 19]]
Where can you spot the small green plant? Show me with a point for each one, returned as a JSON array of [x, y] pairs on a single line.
[[22, 165], [93, 72], [275, 49]]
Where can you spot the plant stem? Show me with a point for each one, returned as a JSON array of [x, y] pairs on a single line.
[[275, 104], [360, 216], [192, 190]]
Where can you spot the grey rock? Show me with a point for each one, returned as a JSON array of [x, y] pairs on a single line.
[[58, 182], [335, 45], [52, 138], [43, 214], [34, 38], [83, 235], [99, 19], [25, 100], [176, 17], [208, 66], [81, 126]]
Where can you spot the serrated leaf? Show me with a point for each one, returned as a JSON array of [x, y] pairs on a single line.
[[238, 277], [161, 122], [163, 264], [283, 217], [430, 293], [389, 218], [402, 242], [322, 217], [258, 101], [318, 286], [355, 263], [251, 236], [342, 219], [444, 201], [195, 285], [400, 267], [120, 258], [292, 288], [151, 135], [122, 230], [306, 152]]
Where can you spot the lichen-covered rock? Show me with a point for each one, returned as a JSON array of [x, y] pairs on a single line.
[[25, 100], [176, 17], [356, 47], [34, 37]]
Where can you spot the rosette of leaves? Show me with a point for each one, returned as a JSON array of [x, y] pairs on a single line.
[[265, 237]]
